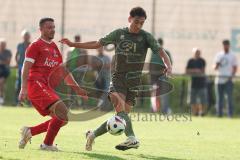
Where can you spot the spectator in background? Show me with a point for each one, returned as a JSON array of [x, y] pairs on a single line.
[[73, 60], [77, 65], [226, 67], [156, 67], [20, 56], [102, 64], [198, 94], [5, 58]]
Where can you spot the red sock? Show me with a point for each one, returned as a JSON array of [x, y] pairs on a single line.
[[53, 128], [39, 128]]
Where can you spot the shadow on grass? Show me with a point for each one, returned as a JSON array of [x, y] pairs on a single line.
[[150, 157], [156, 157], [8, 158], [111, 157], [97, 156], [101, 156]]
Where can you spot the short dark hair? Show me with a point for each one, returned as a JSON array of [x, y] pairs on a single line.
[[226, 42], [46, 19], [160, 41], [77, 36], [138, 11]]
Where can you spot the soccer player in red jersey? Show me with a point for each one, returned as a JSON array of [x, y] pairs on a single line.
[[41, 73]]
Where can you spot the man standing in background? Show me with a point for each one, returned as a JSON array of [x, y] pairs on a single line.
[[73, 61], [5, 58], [20, 56], [226, 67], [102, 65], [76, 62], [159, 103], [196, 68]]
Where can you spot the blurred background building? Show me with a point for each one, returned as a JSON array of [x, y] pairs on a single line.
[[182, 24]]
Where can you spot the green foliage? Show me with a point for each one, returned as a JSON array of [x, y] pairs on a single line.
[[178, 97]]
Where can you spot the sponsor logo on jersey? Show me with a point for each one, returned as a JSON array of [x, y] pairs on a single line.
[[125, 45], [50, 63], [122, 37]]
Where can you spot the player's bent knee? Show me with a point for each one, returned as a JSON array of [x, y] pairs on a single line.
[[127, 110], [62, 117], [128, 107], [118, 108], [60, 110]]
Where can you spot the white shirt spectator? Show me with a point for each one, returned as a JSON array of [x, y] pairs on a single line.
[[227, 62]]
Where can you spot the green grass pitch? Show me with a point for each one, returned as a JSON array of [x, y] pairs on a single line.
[[205, 138]]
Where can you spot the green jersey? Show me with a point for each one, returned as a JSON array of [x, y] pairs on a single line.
[[73, 58], [130, 50]]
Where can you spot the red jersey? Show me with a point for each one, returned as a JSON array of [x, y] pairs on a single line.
[[45, 57]]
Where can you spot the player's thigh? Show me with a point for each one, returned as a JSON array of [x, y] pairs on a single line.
[[60, 110]]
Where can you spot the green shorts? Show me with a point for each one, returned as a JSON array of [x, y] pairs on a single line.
[[121, 85]]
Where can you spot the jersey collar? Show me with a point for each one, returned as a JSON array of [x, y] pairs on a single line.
[[46, 41]]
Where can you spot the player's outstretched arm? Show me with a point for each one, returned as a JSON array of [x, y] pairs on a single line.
[[70, 81], [166, 61], [85, 45], [25, 71]]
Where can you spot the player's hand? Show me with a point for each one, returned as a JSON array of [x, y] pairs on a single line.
[[22, 95], [67, 42], [168, 72], [81, 92]]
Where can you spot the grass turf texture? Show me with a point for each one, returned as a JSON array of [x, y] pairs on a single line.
[[202, 138]]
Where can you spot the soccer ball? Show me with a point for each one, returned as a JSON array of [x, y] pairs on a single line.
[[116, 125]]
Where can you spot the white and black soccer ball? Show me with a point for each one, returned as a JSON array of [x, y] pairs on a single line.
[[116, 125]]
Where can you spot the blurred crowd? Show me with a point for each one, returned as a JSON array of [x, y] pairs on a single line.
[[200, 89]]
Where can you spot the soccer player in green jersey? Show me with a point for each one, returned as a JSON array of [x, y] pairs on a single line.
[[131, 45]]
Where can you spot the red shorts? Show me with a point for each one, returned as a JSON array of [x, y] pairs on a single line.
[[41, 96]]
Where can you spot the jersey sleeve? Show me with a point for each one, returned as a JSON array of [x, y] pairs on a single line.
[[218, 58], [18, 48], [9, 54], [153, 44], [189, 64], [235, 61], [204, 64], [169, 56], [109, 38], [31, 53]]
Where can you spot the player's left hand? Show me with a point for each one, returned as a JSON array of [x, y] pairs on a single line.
[[66, 41]]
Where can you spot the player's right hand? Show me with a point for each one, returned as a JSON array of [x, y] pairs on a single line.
[[168, 72], [81, 92], [22, 95], [66, 41]]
